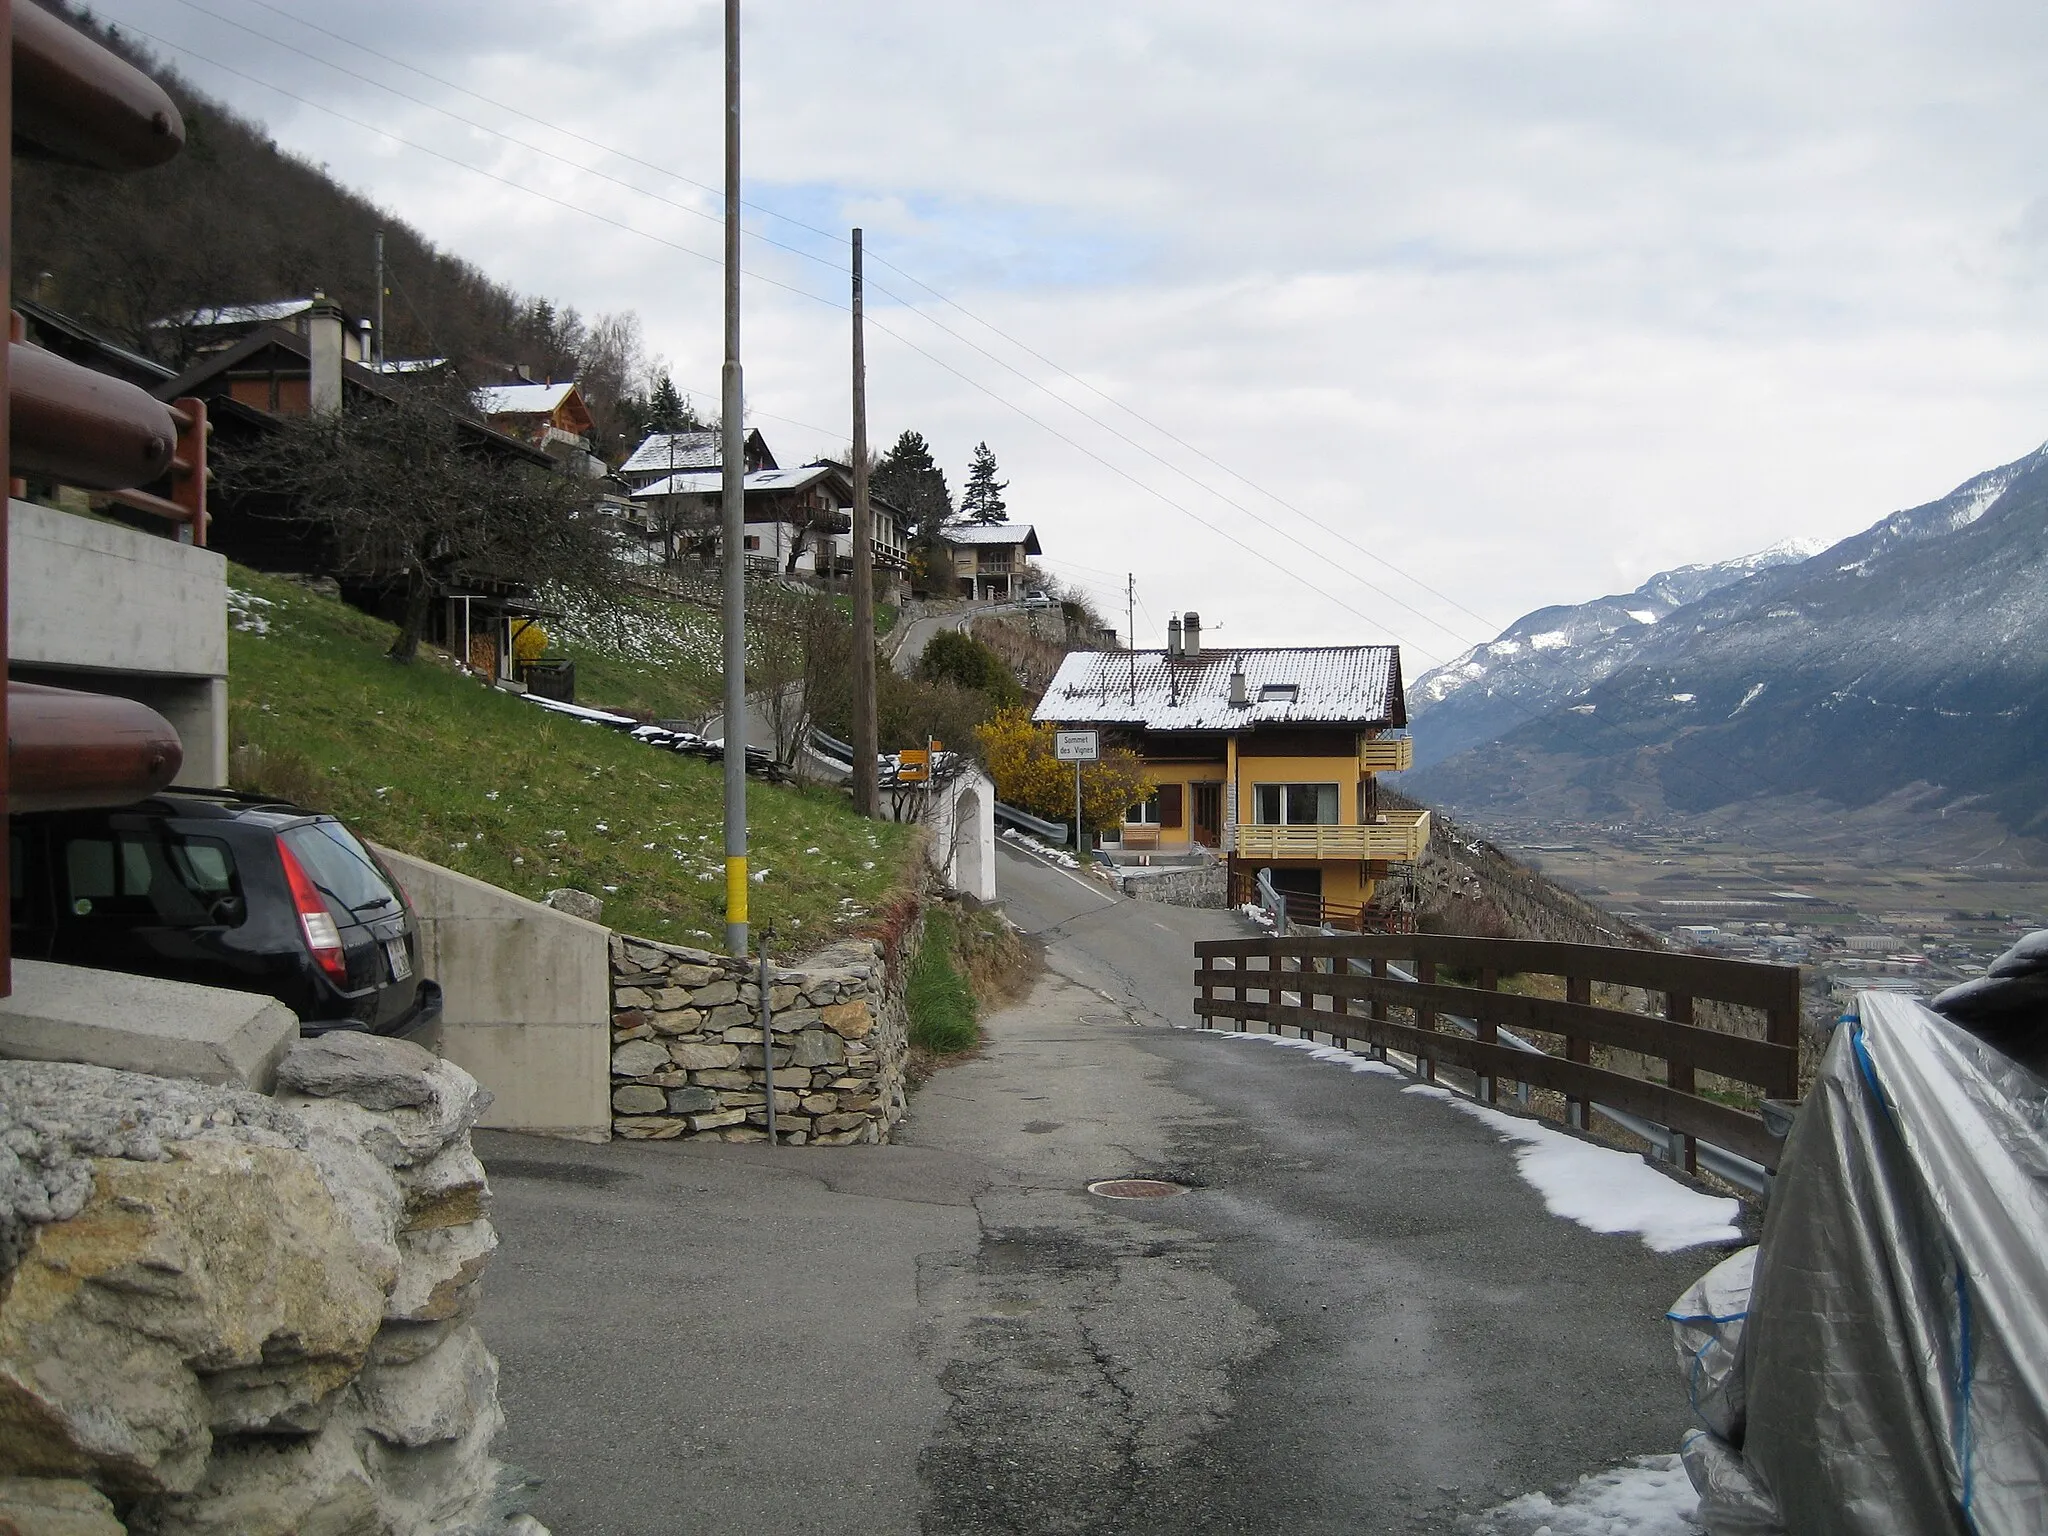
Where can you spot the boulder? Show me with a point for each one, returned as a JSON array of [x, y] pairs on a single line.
[[817, 1048], [437, 1397], [374, 1071], [705, 1057], [639, 1099], [850, 1021], [575, 903], [637, 1058], [218, 1290], [49, 1506]]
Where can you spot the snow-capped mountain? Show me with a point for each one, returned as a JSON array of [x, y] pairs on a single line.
[[1557, 653], [1915, 652]]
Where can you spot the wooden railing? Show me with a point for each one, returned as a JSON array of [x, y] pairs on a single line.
[[1387, 754], [1399, 838], [1345, 988]]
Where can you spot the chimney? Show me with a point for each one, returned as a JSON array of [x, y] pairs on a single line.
[[325, 329], [1191, 637], [1239, 697], [1173, 635]]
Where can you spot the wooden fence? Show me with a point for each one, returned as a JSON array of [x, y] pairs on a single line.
[[1345, 987]]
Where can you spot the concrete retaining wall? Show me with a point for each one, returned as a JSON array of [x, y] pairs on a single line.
[[528, 999], [96, 606], [1205, 885]]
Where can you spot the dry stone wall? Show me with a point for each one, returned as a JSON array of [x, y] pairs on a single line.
[[222, 1312], [687, 1046]]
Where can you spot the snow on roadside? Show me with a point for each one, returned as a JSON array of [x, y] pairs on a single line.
[[1331, 1053], [1651, 1496], [1603, 1189], [1043, 850]]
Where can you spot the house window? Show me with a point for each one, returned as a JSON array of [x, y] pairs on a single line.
[[750, 541], [1144, 814], [1162, 809], [1279, 693], [1294, 805]]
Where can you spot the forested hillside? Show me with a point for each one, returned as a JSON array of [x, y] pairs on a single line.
[[235, 219]]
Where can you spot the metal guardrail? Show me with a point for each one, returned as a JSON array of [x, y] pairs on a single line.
[[1345, 1002], [1024, 821]]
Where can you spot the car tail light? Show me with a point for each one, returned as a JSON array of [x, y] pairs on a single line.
[[317, 923]]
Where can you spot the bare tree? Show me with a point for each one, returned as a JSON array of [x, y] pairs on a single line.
[[408, 489]]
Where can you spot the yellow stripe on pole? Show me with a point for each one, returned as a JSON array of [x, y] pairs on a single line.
[[736, 889]]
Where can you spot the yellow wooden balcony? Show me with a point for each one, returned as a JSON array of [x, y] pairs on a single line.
[[1399, 839], [1387, 754]]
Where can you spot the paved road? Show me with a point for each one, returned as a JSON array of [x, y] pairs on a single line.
[[917, 634], [1360, 1319]]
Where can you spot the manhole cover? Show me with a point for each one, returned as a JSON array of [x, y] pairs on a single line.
[[1136, 1189]]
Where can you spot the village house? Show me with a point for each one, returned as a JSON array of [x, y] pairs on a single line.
[[274, 371], [1268, 755], [664, 454], [798, 522], [985, 562], [215, 328], [553, 417]]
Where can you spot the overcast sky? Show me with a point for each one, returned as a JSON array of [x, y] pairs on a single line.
[[1492, 303]]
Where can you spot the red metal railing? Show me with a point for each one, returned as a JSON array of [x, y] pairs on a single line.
[[69, 98]]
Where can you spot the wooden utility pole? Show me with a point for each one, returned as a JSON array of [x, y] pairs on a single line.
[[733, 517], [866, 740]]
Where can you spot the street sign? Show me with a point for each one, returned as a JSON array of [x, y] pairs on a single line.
[[913, 766], [1077, 746]]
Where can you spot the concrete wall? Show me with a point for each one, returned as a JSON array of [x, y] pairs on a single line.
[[108, 609], [528, 1000]]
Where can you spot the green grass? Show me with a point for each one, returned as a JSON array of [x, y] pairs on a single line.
[[937, 995], [648, 655], [436, 765]]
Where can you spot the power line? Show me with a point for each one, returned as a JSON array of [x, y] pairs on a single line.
[[1529, 715], [1000, 362]]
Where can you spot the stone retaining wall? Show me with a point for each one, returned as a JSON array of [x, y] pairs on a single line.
[[229, 1314], [686, 1045], [1205, 885]]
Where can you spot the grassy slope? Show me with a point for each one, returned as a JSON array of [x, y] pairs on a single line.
[[438, 766]]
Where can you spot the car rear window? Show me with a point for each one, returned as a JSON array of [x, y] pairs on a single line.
[[342, 869], [155, 878]]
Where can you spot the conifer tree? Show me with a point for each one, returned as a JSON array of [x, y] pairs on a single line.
[[982, 501], [910, 480]]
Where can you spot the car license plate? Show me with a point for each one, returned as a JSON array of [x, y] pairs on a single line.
[[401, 962]]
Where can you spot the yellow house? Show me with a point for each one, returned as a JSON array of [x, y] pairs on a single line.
[[1269, 755]]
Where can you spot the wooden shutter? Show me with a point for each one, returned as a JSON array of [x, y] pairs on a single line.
[[1169, 805]]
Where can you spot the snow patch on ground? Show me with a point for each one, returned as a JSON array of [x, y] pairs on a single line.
[[1331, 1053], [1643, 615], [1651, 1496], [1043, 850], [1683, 698], [1748, 699], [1550, 640], [1602, 1189]]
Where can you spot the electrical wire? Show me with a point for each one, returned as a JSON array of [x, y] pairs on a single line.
[[1529, 715], [1000, 362]]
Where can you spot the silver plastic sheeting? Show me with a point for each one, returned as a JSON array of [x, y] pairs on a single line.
[[1706, 1327], [1895, 1354]]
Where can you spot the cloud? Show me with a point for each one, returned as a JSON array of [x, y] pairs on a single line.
[[1530, 297]]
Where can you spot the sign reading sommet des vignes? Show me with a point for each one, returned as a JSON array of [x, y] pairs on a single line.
[[1077, 746]]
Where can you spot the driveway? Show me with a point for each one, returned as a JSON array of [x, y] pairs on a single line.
[[1358, 1319]]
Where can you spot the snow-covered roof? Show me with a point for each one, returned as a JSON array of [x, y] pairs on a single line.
[[409, 365], [992, 533], [522, 399], [709, 482], [241, 314], [673, 451], [1352, 685]]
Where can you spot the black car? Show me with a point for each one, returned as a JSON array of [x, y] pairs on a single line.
[[228, 891]]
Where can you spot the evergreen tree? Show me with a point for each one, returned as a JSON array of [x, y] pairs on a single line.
[[668, 411], [911, 481], [982, 501]]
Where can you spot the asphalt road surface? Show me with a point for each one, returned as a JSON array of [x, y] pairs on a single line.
[[1359, 1318], [917, 634]]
